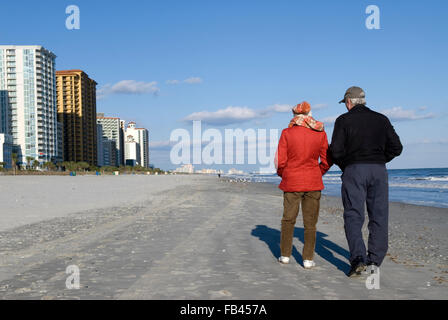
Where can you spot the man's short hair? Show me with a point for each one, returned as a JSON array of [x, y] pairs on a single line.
[[356, 101]]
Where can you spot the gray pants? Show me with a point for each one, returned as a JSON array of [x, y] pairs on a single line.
[[366, 184]]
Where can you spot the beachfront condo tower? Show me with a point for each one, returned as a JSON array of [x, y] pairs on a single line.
[[113, 140], [141, 136], [76, 98], [132, 152], [28, 112]]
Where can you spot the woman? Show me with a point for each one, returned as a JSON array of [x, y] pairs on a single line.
[[297, 161]]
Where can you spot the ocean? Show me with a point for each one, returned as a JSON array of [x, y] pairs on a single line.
[[425, 187]]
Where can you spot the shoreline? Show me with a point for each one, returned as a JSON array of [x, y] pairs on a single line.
[[235, 178], [395, 203]]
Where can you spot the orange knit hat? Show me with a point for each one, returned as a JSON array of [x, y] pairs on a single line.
[[302, 108]]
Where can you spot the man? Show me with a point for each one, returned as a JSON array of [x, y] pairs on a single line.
[[363, 142]]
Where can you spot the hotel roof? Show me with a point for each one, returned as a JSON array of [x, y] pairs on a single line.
[[108, 118], [73, 71]]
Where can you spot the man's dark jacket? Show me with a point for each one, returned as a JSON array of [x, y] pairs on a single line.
[[363, 136]]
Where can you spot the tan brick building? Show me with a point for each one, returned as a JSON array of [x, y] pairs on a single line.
[[76, 97]]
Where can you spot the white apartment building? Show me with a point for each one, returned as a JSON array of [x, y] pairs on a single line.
[[141, 136], [132, 152], [112, 131], [186, 168], [27, 74], [235, 171], [209, 171]]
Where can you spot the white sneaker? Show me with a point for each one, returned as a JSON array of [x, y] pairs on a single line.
[[284, 260], [308, 264]]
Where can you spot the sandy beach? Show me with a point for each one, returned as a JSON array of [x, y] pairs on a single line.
[[195, 237]]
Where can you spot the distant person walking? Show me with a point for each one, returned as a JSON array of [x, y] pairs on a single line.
[[363, 142], [297, 161]]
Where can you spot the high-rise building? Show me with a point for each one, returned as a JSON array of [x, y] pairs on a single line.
[[109, 153], [122, 132], [141, 136], [112, 132], [6, 150], [27, 73], [4, 109], [60, 142], [132, 152], [186, 168], [76, 97], [100, 146]]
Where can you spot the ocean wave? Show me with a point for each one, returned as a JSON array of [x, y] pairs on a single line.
[[333, 175], [331, 179], [419, 185], [399, 185], [427, 203], [415, 186], [430, 179]]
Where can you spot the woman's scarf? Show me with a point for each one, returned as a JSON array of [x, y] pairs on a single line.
[[303, 118]]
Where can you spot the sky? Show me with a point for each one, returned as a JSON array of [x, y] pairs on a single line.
[[244, 64]]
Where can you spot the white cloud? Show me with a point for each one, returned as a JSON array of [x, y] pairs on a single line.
[[232, 114], [225, 116], [279, 108], [400, 114], [394, 114], [128, 87], [283, 108], [193, 80]]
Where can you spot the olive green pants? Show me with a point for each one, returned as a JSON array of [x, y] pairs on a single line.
[[310, 209]]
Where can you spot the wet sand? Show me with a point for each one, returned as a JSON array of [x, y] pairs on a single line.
[[195, 237]]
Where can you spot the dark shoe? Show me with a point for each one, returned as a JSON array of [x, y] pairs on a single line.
[[357, 267]]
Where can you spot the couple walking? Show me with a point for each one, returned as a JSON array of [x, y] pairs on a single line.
[[363, 142]]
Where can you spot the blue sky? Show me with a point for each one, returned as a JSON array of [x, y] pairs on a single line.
[[159, 62]]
